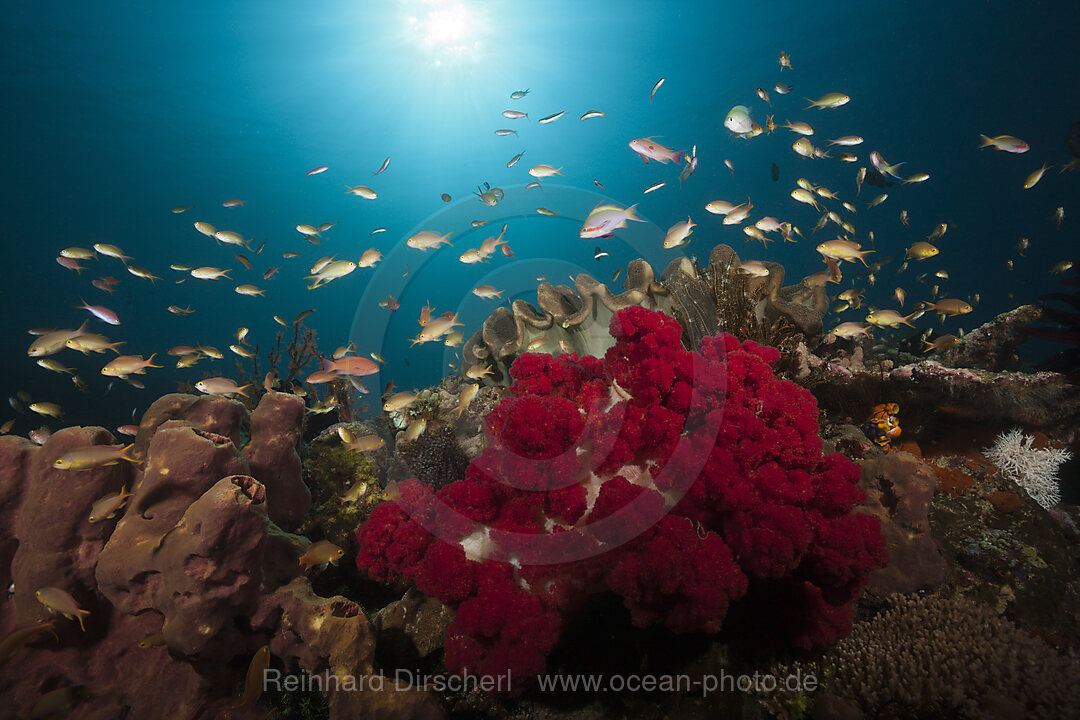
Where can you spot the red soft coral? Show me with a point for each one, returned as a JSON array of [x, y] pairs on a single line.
[[391, 544], [679, 576], [503, 629], [690, 483]]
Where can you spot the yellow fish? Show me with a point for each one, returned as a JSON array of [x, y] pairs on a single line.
[[59, 601], [467, 394], [320, 553], [888, 318], [399, 401], [93, 456]]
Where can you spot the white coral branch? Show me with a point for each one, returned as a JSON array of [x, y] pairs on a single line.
[[1033, 469]]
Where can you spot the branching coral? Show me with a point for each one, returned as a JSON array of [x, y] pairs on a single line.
[[1033, 469], [947, 657], [690, 483], [301, 350]]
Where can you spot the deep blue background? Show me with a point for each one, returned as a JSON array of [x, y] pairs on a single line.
[[115, 112]]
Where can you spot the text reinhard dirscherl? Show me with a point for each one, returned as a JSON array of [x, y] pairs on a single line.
[[406, 679]]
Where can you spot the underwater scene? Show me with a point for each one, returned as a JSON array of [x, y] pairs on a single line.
[[482, 359]]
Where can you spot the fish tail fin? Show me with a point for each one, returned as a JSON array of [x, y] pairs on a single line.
[[49, 625], [240, 390], [150, 360], [813, 103], [125, 456], [677, 157], [986, 142], [631, 215], [863, 259]]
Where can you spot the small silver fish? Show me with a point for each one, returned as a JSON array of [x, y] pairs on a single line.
[[552, 118], [655, 87], [514, 160]]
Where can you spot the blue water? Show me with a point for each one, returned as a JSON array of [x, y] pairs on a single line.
[[116, 112]]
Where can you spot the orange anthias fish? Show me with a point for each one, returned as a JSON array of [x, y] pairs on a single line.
[[353, 365], [253, 682], [59, 601], [93, 456], [10, 645], [321, 553], [649, 149]]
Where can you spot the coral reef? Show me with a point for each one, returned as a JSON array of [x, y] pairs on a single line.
[[434, 458], [993, 345], [183, 587], [411, 631], [704, 301], [1034, 469], [802, 305], [898, 490], [940, 656], [1041, 398], [302, 349], [689, 483], [1005, 551], [345, 485]]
